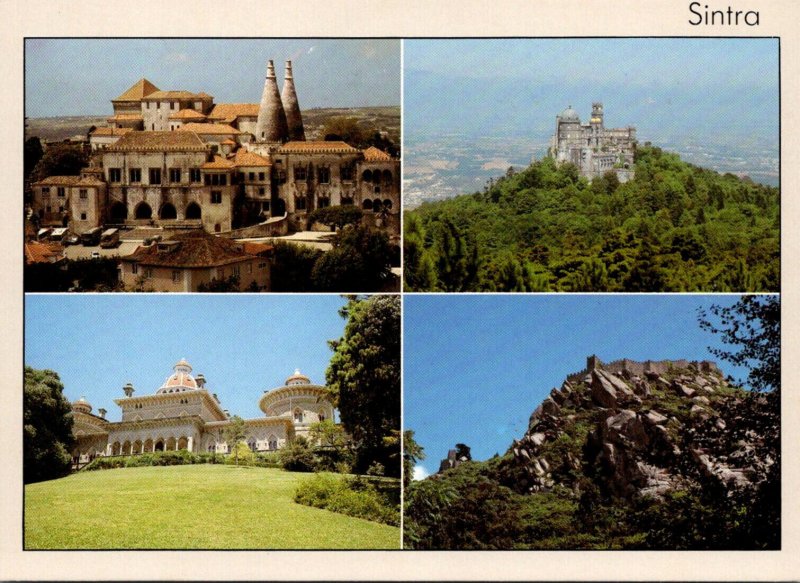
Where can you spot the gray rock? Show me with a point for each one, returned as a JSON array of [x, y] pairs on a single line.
[[550, 407], [654, 418]]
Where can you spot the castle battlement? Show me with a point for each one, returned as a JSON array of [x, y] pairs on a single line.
[[636, 368]]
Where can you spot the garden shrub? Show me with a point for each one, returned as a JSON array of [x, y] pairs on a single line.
[[353, 497]]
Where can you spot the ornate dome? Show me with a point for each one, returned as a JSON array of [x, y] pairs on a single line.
[[82, 405], [297, 378], [570, 114], [180, 380]]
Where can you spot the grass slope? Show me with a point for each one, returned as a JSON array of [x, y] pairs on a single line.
[[189, 507]]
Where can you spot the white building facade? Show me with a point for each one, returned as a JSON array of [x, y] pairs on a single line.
[[183, 415]]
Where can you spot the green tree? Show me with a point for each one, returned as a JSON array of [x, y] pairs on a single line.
[[328, 434], [33, 153], [297, 456], [60, 160], [412, 453], [752, 327], [229, 284], [363, 378], [344, 128], [234, 433], [360, 260], [47, 427], [292, 265]]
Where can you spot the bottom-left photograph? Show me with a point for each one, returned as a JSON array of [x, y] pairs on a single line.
[[211, 422]]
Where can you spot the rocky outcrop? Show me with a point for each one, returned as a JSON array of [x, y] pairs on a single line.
[[635, 434]]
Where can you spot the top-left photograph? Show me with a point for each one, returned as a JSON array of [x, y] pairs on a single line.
[[212, 165]]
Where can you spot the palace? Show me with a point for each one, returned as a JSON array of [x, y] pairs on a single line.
[[593, 148], [178, 160], [184, 414]]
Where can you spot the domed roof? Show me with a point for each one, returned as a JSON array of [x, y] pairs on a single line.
[[569, 114], [82, 405], [297, 378], [180, 380]]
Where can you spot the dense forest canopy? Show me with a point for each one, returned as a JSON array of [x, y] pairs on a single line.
[[674, 227]]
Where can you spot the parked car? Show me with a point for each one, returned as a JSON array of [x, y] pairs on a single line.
[[71, 239]]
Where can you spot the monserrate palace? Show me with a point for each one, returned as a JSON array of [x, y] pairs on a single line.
[[183, 414]]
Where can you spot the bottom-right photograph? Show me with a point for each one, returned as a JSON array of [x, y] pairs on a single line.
[[592, 422]]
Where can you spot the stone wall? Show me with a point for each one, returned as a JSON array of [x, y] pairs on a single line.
[[636, 368]]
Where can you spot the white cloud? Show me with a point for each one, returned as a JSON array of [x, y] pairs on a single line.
[[420, 473]]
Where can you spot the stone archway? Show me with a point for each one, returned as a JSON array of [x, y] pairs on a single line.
[[168, 211], [118, 212], [183, 443], [170, 444], [193, 211], [126, 448], [143, 211], [148, 445], [159, 446], [115, 449], [137, 446]]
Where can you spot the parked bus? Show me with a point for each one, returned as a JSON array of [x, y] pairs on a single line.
[[91, 237], [109, 239], [58, 234]]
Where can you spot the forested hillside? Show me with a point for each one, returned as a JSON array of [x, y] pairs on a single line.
[[674, 227]]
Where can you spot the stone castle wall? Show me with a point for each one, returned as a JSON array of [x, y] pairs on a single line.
[[659, 367]]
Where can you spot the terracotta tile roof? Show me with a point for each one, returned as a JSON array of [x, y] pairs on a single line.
[[230, 111], [257, 248], [110, 131], [69, 181], [126, 117], [137, 91], [208, 129], [373, 154], [196, 249], [158, 141], [175, 95], [317, 148], [187, 114], [36, 252], [228, 142], [246, 158], [219, 163]]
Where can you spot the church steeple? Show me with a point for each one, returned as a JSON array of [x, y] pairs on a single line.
[[292, 108], [271, 125]]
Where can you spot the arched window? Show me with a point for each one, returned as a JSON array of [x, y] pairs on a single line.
[[193, 211], [376, 205], [387, 203], [272, 442], [367, 175], [321, 416], [143, 211], [119, 212], [387, 176], [367, 205], [168, 211], [298, 415], [252, 444]]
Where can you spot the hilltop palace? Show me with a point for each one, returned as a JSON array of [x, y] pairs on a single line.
[[184, 414], [593, 148], [176, 159]]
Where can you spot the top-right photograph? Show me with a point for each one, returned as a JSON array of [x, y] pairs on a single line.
[[592, 165]]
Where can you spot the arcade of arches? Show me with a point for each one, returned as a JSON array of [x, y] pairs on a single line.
[[183, 414]]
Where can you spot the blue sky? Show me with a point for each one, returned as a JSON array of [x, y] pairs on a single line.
[[476, 366], [665, 87], [243, 344], [80, 76]]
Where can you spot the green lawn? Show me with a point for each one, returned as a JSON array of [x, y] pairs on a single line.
[[189, 507]]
